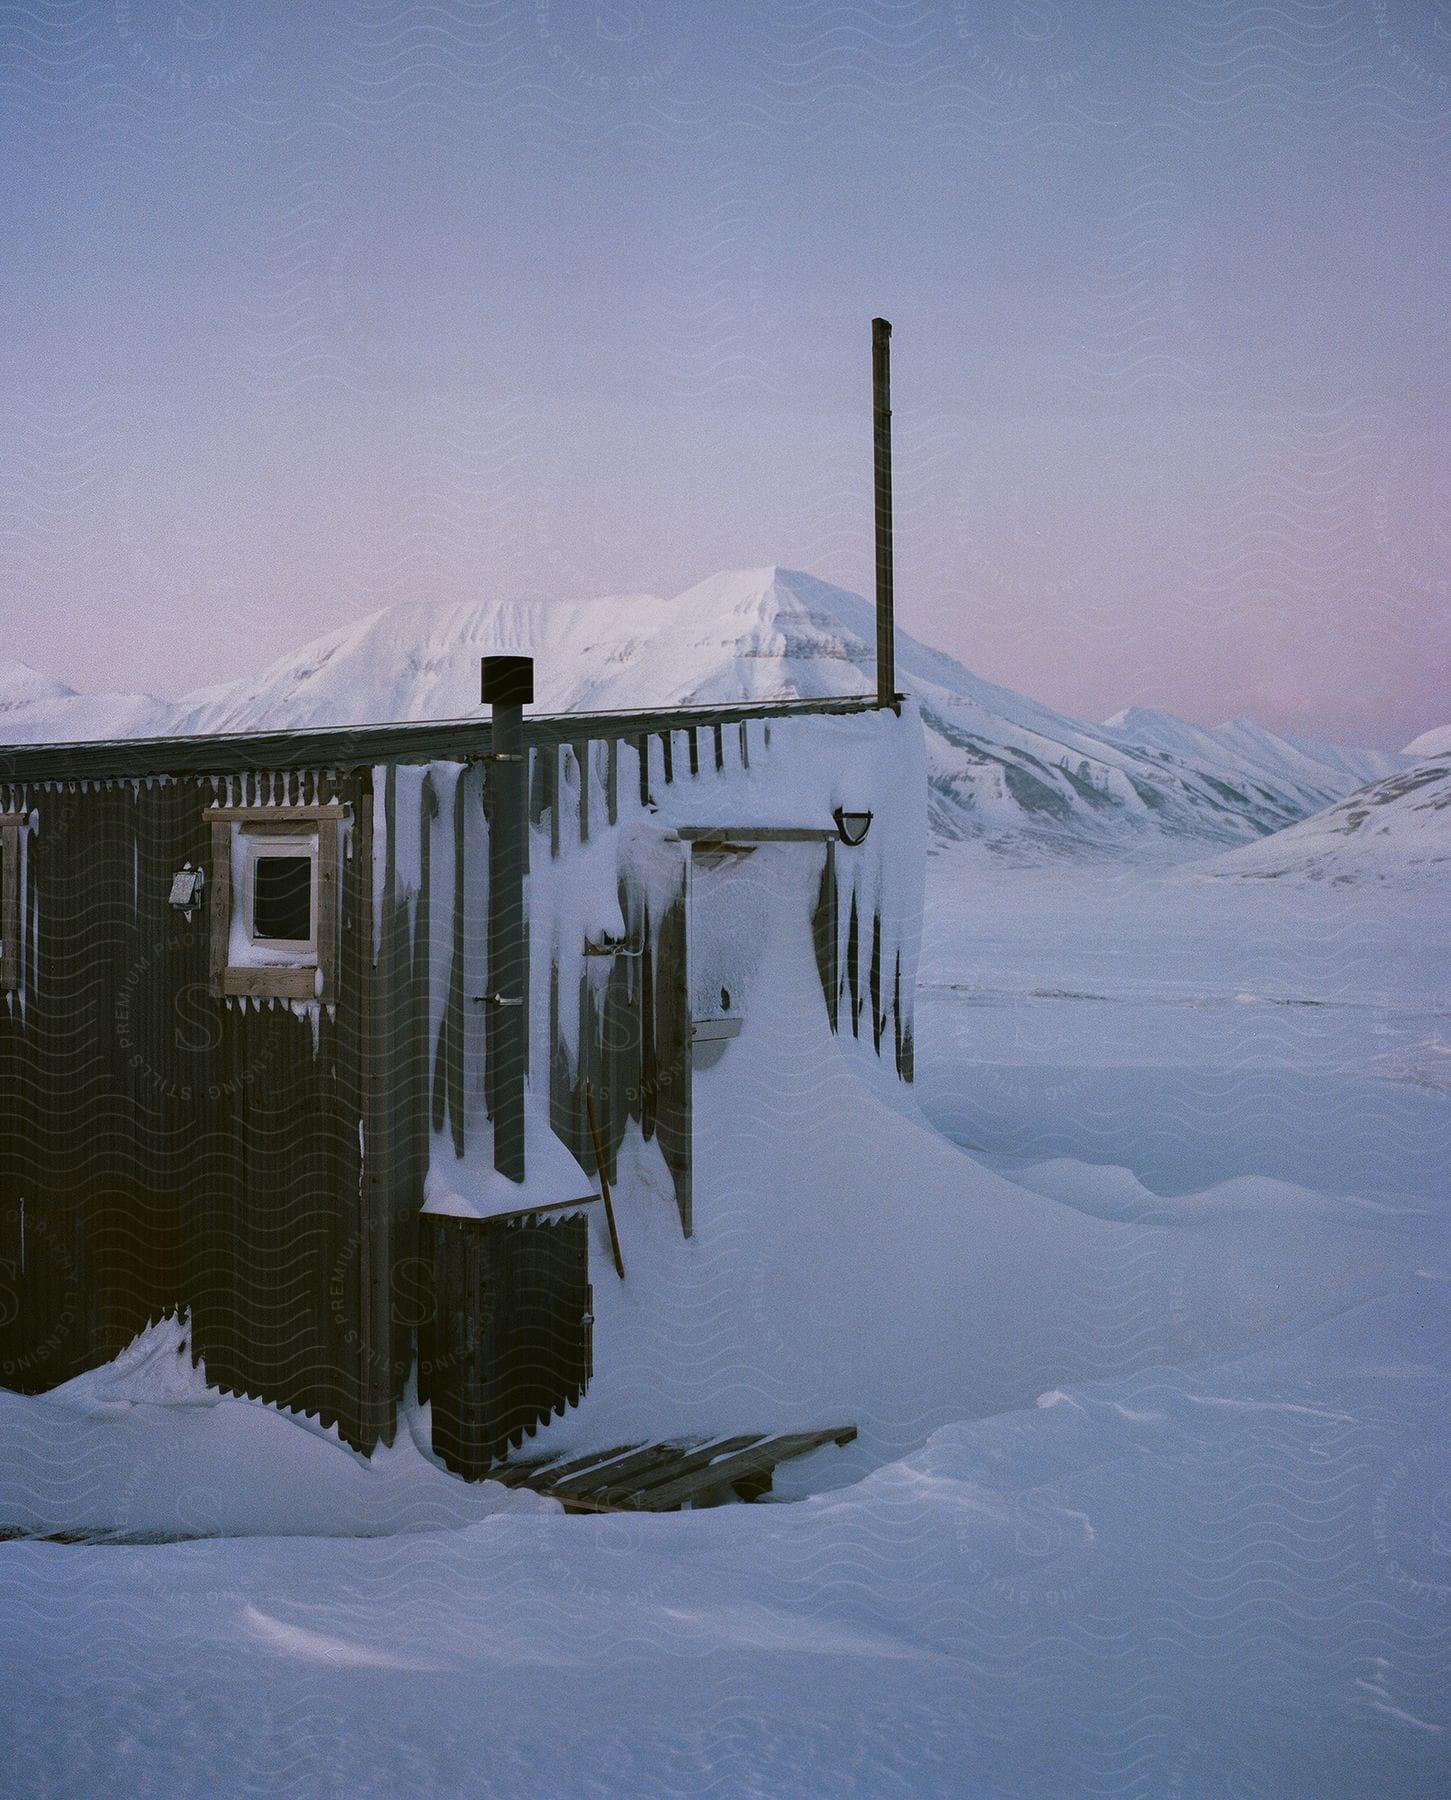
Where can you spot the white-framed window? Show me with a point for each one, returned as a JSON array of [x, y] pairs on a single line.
[[279, 892], [12, 848], [272, 894]]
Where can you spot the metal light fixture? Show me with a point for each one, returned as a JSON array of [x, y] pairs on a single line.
[[852, 827], [186, 889]]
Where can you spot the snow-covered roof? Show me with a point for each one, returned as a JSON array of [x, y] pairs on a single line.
[[360, 745]]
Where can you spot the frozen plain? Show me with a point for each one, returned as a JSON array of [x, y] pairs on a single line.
[[1206, 1551]]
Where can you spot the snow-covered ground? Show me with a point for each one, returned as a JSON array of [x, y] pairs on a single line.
[[1153, 1495]]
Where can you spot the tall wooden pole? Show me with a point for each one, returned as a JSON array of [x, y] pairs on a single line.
[[882, 483], [508, 686]]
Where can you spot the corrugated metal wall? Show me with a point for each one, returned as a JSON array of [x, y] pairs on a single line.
[[263, 1163], [161, 1148]]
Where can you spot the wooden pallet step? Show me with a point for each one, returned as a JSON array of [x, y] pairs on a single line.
[[632, 1487], [541, 1470], [631, 1470], [640, 1477], [756, 1459]]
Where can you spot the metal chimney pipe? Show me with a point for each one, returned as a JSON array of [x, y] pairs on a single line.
[[882, 483], [507, 686]]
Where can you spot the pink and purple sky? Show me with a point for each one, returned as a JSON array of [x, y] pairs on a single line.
[[314, 310]]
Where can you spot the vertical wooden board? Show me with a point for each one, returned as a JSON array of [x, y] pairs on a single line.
[[673, 1047], [619, 1040], [649, 1084], [582, 763], [328, 902], [612, 780], [667, 751], [561, 1083], [10, 851], [718, 733], [874, 983], [642, 748], [824, 931], [852, 968], [590, 1070], [900, 1024], [364, 1051], [456, 1000], [219, 901]]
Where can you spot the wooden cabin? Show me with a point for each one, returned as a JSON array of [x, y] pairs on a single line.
[[296, 1028]]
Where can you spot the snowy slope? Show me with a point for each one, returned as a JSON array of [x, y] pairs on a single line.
[[37, 709], [1390, 829], [1002, 767], [1306, 773], [1430, 743]]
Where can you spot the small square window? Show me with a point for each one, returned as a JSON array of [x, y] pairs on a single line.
[[281, 884], [272, 898]]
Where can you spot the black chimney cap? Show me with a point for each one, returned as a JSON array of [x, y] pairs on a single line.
[[507, 680]]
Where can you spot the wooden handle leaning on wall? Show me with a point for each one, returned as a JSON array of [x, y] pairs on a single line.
[[594, 1131]]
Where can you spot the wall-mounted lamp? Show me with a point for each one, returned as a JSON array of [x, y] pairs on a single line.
[[852, 827], [186, 888]]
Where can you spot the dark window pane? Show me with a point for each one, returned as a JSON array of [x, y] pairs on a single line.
[[282, 897]]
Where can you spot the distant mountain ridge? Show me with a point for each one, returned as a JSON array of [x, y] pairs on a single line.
[[1004, 769], [1389, 830]]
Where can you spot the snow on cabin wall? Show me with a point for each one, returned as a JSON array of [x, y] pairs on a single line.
[[609, 902]]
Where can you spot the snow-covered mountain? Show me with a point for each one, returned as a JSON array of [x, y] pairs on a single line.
[[37, 709], [1003, 768], [1386, 831]]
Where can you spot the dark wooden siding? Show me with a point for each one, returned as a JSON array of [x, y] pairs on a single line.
[[163, 1149], [507, 1340], [264, 1165]]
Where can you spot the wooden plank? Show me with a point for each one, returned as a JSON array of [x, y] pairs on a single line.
[[718, 1471], [710, 1031], [281, 814], [519, 1474], [9, 903], [658, 1465], [327, 912], [219, 905], [758, 834], [826, 934], [582, 763], [552, 782], [270, 984], [674, 1061]]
